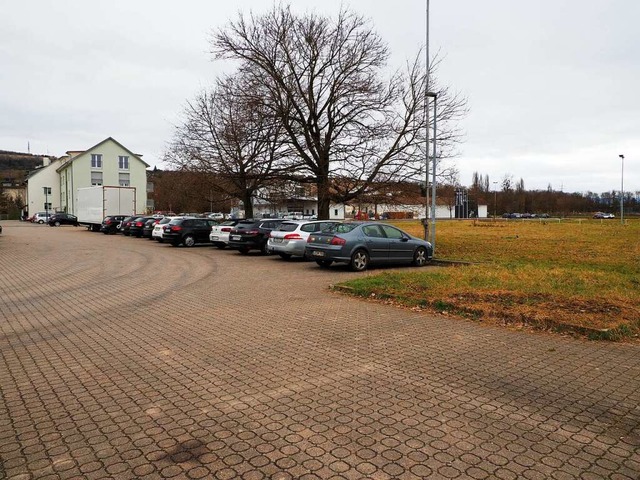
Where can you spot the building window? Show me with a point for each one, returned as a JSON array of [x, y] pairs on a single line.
[[47, 206], [47, 190], [96, 160], [150, 187], [123, 162], [96, 178], [124, 179], [335, 212]]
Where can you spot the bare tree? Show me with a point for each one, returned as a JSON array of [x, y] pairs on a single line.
[[226, 134], [322, 79]]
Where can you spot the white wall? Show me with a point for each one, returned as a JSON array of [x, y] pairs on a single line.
[[43, 177]]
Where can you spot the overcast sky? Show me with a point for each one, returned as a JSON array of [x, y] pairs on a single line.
[[552, 85]]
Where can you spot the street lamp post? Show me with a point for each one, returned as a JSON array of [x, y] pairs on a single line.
[[434, 163], [495, 200], [622, 192]]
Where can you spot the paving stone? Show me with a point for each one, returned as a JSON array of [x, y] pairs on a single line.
[[122, 358]]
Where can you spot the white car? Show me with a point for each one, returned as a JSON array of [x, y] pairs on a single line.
[[219, 235], [290, 237], [41, 217]]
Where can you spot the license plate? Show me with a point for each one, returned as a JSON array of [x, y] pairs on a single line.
[[317, 253], [235, 237], [277, 240], [214, 238]]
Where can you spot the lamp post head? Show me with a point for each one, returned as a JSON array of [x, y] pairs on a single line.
[[432, 94], [621, 156]]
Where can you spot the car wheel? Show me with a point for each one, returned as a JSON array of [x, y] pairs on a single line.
[[324, 263], [41, 221], [243, 250], [57, 224], [161, 240], [285, 256], [264, 250], [420, 257], [359, 260], [189, 241]]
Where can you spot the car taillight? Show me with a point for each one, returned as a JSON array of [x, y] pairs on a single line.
[[107, 222], [225, 229], [292, 236], [176, 228], [338, 241], [138, 224]]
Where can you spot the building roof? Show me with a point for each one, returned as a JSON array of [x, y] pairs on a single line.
[[73, 154]]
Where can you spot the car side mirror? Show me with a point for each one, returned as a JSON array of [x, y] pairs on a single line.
[[404, 239]]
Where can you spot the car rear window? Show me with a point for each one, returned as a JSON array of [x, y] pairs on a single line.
[[229, 223], [287, 227], [245, 224], [340, 228]]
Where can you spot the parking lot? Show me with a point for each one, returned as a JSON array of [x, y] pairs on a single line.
[[124, 358]]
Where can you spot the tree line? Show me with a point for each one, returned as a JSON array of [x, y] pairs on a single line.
[[508, 196]]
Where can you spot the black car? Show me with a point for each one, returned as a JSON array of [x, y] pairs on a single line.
[[149, 225], [188, 231], [126, 225], [137, 225], [111, 224], [58, 219], [252, 234]]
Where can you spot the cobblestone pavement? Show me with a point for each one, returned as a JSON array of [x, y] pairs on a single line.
[[123, 358]]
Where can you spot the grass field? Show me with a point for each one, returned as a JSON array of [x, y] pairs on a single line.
[[576, 275]]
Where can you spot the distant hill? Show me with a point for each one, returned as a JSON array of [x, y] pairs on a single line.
[[16, 161]]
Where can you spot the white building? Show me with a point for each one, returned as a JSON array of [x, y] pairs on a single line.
[[107, 163], [39, 200]]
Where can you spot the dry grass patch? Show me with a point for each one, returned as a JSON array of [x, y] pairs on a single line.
[[582, 276]]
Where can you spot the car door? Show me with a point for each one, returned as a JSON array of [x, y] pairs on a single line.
[[400, 248], [377, 243], [199, 228]]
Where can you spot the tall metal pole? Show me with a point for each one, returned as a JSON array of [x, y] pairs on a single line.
[[622, 193], [426, 116], [433, 178], [495, 200]]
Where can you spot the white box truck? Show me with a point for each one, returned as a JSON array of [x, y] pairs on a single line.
[[95, 203]]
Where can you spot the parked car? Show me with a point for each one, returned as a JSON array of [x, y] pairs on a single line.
[[149, 225], [125, 225], [135, 229], [41, 217], [603, 215], [156, 234], [252, 234], [187, 231], [215, 215], [290, 237], [219, 235], [111, 224], [58, 219], [362, 243]]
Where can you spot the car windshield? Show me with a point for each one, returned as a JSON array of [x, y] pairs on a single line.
[[229, 223]]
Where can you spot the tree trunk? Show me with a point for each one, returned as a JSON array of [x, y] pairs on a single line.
[[247, 198], [324, 203]]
